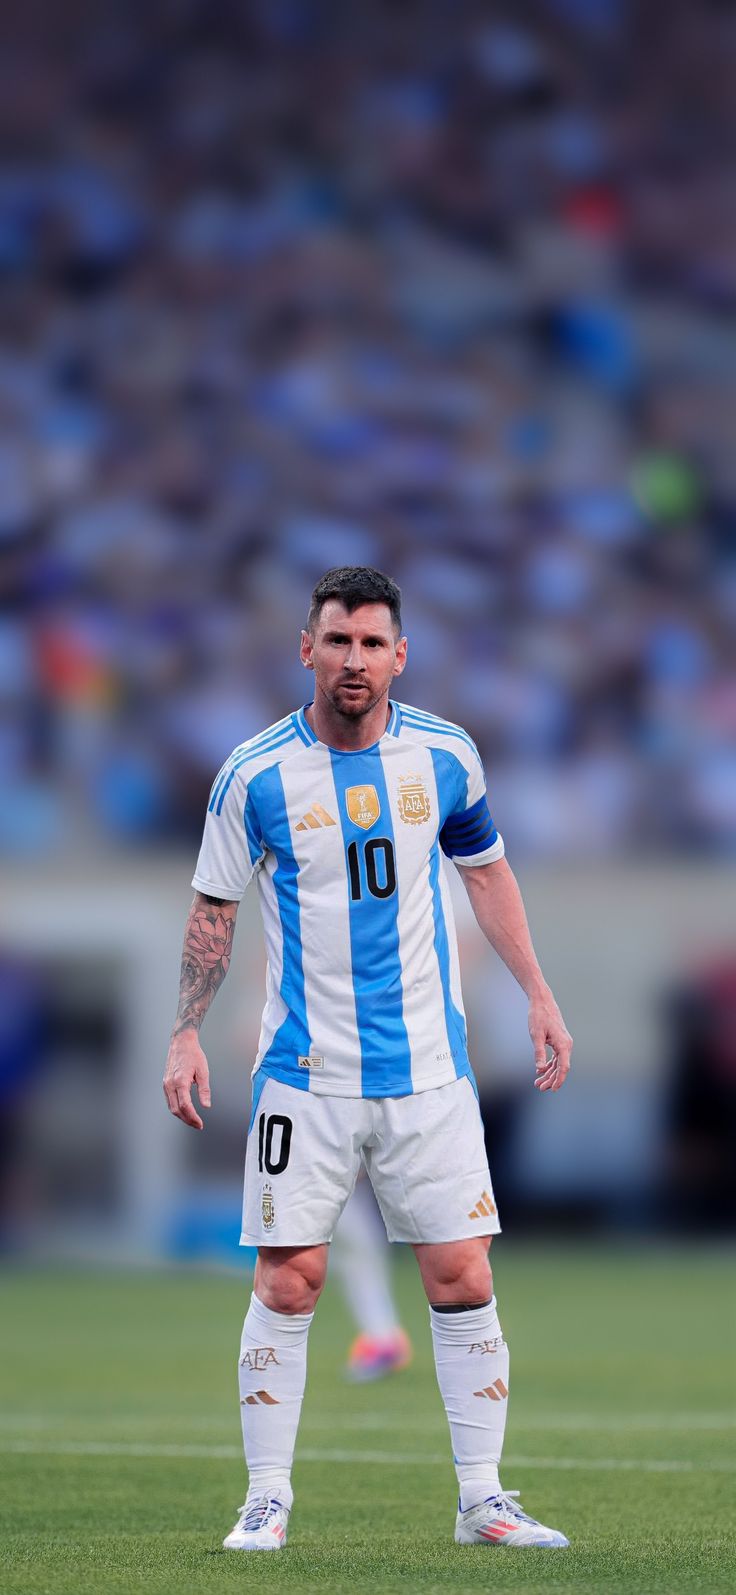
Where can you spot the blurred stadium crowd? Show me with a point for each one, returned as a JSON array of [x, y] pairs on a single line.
[[443, 288]]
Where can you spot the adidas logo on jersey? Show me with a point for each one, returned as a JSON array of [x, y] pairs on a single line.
[[314, 819], [485, 1208]]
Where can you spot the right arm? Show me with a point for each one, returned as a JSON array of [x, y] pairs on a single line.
[[208, 941]]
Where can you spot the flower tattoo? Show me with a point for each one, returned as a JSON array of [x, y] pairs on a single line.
[[208, 942], [211, 938]]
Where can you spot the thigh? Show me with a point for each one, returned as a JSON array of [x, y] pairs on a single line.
[[428, 1167], [301, 1164]]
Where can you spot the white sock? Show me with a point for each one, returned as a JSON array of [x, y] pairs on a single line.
[[360, 1252], [472, 1361], [272, 1373]]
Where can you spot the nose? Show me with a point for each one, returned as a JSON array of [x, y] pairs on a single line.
[[354, 659]]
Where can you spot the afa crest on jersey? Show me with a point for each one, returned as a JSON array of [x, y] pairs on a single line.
[[363, 805], [414, 805]]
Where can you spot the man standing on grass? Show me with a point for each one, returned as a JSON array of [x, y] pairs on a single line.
[[341, 811]]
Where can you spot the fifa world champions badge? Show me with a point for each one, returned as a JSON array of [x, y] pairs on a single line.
[[414, 804], [363, 805], [268, 1211]]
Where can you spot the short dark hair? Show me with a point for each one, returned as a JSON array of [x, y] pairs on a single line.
[[354, 585]]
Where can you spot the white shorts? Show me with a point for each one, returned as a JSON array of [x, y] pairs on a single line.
[[424, 1154]]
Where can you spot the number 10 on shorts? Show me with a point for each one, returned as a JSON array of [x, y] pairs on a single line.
[[274, 1126]]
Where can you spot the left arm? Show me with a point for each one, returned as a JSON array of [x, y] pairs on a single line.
[[499, 910]]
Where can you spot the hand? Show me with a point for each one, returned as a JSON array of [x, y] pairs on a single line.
[[186, 1066], [547, 1029]]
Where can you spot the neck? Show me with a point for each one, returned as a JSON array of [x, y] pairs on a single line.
[[342, 732]]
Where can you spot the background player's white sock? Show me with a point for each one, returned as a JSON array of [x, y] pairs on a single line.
[[472, 1361], [360, 1253], [272, 1372]]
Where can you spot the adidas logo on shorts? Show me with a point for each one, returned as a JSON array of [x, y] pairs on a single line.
[[485, 1208]]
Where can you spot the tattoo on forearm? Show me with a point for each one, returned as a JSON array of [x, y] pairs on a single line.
[[208, 941]]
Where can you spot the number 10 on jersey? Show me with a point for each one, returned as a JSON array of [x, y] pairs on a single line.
[[376, 869]]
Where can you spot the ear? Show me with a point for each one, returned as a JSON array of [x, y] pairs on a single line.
[[400, 661], [305, 651]]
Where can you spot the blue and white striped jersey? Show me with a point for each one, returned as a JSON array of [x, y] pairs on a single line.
[[363, 982]]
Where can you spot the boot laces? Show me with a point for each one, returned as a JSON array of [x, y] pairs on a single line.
[[257, 1513], [509, 1501]]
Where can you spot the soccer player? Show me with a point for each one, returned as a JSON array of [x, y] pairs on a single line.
[[341, 811]]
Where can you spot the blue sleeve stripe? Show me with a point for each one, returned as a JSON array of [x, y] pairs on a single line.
[[441, 730], [248, 750], [432, 723], [262, 736], [219, 794], [219, 800], [435, 721]]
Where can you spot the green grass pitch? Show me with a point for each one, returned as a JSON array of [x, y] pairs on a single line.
[[120, 1453]]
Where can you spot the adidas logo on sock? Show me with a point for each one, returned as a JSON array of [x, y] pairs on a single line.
[[314, 819], [495, 1392], [261, 1396], [485, 1208]]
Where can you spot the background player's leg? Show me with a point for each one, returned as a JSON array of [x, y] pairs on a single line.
[[272, 1367], [471, 1358], [360, 1254]]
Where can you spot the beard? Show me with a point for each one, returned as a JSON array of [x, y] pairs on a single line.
[[354, 705]]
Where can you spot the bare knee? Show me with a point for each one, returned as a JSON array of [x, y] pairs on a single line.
[[456, 1272], [290, 1279]]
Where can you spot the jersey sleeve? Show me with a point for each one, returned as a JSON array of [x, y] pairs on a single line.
[[232, 845], [469, 836]]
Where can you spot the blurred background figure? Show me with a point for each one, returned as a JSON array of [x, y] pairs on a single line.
[[360, 1260], [446, 290], [23, 1051], [699, 1186]]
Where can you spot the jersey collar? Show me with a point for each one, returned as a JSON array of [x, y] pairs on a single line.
[[304, 730]]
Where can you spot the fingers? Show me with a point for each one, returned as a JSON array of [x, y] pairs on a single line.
[[178, 1094], [202, 1078], [186, 1066], [552, 1072], [186, 1110], [180, 1104]]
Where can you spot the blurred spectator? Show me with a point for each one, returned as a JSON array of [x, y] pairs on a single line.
[[293, 285]]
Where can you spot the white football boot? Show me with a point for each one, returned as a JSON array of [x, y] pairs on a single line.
[[260, 1527], [500, 1521]]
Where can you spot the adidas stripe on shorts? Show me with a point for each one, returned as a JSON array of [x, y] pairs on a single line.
[[424, 1154]]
